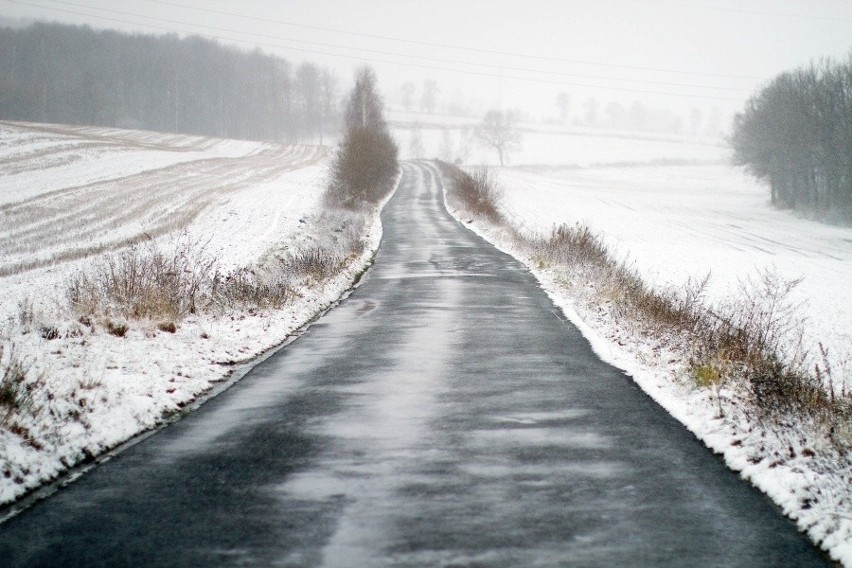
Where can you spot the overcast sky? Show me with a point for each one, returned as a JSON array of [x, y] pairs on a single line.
[[674, 54]]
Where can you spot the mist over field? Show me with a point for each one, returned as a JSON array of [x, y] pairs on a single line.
[[186, 186]]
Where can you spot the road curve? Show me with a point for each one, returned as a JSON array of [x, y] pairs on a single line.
[[443, 415]]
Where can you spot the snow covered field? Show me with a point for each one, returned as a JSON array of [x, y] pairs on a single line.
[[671, 206], [451, 138], [69, 196], [674, 214], [65, 194], [679, 222]]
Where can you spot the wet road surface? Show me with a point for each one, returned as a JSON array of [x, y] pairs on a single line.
[[443, 415]]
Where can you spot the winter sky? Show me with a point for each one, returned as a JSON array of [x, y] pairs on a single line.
[[674, 54]]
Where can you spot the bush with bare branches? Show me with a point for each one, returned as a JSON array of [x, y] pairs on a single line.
[[476, 192], [146, 281], [16, 387]]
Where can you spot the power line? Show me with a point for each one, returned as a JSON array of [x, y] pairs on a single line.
[[352, 57], [448, 46], [422, 57], [718, 8]]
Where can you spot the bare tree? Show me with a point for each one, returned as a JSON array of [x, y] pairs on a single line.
[[76, 75], [591, 115], [563, 101], [498, 130], [407, 95], [328, 100], [446, 150], [308, 93], [429, 97], [795, 135], [415, 145], [364, 108]]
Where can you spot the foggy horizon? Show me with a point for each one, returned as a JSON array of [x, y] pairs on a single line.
[[665, 55]]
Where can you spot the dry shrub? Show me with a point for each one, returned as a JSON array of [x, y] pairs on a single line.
[[758, 340], [363, 169], [118, 329], [247, 288], [317, 263], [166, 282], [26, 312], [578, 248], [748, 342], [477, 192], [16, 389], [341, 240], [573, 245], [145, 281], [167, 326]]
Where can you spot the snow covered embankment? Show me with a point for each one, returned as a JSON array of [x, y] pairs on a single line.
[[79, 378], [801, 466]]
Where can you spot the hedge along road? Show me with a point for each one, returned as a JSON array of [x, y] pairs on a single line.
[[443, 415]]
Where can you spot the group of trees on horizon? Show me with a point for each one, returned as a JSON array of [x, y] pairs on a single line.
[[76, 75], [588, 113], [796, 134]]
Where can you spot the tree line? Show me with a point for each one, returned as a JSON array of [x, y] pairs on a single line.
[[76, 75], [796, 134]]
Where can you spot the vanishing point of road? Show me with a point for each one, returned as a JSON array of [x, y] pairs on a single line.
[[443, 415]]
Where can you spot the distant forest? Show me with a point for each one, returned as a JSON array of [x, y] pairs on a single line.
[[796, 134], [76, 75]]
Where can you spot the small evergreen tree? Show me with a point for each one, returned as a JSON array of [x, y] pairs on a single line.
[[365, 165]]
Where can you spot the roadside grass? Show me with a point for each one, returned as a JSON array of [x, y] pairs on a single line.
[[153, 286], [750, 345], [20, 397], [62, 349], [148, 288], [477, 192], [145, 281], [165, 281], [15, 390]]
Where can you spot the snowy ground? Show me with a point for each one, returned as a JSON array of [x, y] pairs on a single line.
[[451, 139], [672, 206], [679, 222], [675, 213], [69, 196]]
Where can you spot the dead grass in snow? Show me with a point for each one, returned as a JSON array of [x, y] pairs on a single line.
[[751, 343]]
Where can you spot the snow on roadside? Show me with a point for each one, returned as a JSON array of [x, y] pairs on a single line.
[[811, 484], [95, 390], [126, 385], [682, 222], [241, 227]]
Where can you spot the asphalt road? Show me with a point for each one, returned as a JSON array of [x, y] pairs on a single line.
[[443, 415]]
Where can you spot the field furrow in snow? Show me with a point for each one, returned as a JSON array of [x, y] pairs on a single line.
[[70, 196], [72, 222], [39, 159]]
